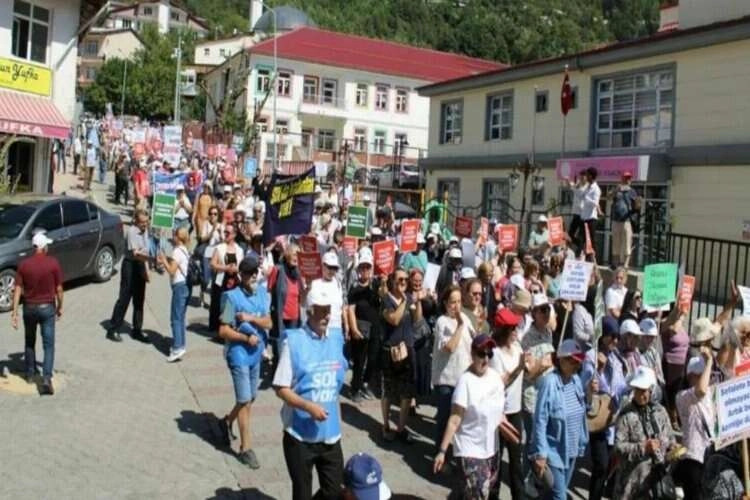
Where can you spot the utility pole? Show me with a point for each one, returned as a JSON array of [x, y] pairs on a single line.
[[178, 55], [122, 98]]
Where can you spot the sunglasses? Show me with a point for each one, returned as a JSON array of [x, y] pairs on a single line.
[[401, 280], [213, 214], [483, 354], [476, 294], [228, 233]]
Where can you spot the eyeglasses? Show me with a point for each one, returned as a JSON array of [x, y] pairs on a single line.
[[476, 294], [228, 233], [401, 280], [637, 297], [483, 354], [213, 214]]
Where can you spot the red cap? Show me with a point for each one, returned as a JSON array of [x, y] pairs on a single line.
[[505, 317], [627, 174]]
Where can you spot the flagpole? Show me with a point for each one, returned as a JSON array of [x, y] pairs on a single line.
[[565, 123]]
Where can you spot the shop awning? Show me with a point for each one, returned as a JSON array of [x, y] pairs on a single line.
[[24, 114]]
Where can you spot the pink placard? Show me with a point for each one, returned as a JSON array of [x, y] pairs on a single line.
[[610, 168]]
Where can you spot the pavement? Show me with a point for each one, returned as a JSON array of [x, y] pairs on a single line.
[[124, 423]]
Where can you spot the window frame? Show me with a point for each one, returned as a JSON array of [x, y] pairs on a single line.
[[365, 88], [378, 147], [262, 124], [505, 211], [379, 87], [334, 98], [266, 86], [206, 51], [315, 98], [398, 147], [37, 216], [148, 10], [82, 207], [282, 126], [360, 140], [441, 182], [306, 135], [404, 100], [491, 112], [544, 94], [456, 132], [288, 80], [323, 136], [17, 17]]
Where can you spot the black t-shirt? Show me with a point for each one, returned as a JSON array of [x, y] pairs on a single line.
[[366, 302]]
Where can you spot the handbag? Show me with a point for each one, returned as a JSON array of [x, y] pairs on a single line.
[[601, 414], [421, 330], [364, 328], [399, 352]]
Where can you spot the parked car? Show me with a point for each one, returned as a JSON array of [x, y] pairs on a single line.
[[86, 239], [390, 175]]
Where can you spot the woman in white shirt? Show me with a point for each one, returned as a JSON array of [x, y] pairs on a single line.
[[225, 263], [177, 267], [451, 354], [615, 294], [476, 416], [210, 235]]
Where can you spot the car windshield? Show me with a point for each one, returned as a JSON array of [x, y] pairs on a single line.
[[13, 218], [412, 169]]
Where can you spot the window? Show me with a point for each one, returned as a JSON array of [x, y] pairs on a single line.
[[574, 95], [362, 97], [399, 143], [451, 122], [93, 211], [378, 144], [449, 188], [127, 23], [279, 149], [92, 47], [222, 52], [635, 110], [537, 196], [541, 101], [326, 139], [284, 84], [263, 82], [566, 196], [175, 16], [30, 31], [75, 212], [282, 127], [310, 89], [329, 92], [262, 124], [495, 197], [499, 117], [381, 97], [148, 11], [91, 73], [207, 51], [402, 100], [360, 139], [307, 133], [49, 219]]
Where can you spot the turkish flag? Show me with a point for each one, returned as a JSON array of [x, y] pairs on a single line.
[[566, 95]]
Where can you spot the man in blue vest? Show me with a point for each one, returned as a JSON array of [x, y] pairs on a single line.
[[308, 379], [245, 321]]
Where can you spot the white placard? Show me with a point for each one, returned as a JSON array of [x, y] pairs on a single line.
[[321, 169], [745, 293], [732, 403], [431, 276], [575, 280]]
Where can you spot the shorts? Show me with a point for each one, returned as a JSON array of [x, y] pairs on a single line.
[[245, 380]]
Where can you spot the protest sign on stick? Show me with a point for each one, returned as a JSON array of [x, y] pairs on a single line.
[[555, 228], [409, 230], [310, 266], [308, 243], [508, 237], [384, 255], [745, 294], [464, 227], [575, 280], [686, 290], [659, 283], [356, 224], [431, 276], [349, 244]]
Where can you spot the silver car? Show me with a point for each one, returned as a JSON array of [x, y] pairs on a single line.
[[87, 240]]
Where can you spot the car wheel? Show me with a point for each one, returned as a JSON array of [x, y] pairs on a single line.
[[7, 283], [104, 264]]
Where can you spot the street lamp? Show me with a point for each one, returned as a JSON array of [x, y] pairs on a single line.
[[526, 169], [274, 87]]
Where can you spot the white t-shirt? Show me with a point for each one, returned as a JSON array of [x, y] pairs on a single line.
[[331, 289], [506, 362], [447, 367], [614, 297], [181, 258], [180, 211], [591, 196], [483, 401]]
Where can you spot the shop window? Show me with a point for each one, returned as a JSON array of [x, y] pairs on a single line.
[[30, 35]]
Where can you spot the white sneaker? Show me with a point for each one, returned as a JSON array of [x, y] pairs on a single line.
[[175, 355]]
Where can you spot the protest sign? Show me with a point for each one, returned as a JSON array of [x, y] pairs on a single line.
[[555, 228], [484, 229], [308, 243], [575, 280], [310, 265], [431, 276], [251, 168], [733, 418], [356, 223], [742, 369], [686, 289], [321, 169], [139, 141], [468, 254], [167, 183], [745, 294], [172, 144], [162, 212], [659, 283], [349, 245], [384, 255], [508, 237], [464, 227], [289, 208], [409, 230]]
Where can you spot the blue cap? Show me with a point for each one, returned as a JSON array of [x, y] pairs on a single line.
[[610, 326], [364, 477]]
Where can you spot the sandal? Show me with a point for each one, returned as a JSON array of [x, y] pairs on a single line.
[[389, 435]]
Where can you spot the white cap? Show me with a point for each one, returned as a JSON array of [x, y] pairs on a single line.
[[569, 348], [454, 253], [318, 296], [643, 378], [539, 299], [453, 239], [227, 188], [375, 231], [542, 218], [365, 258], [435, 228], [420, 238], [518, 280], [696, 365], [330, 260], [468, 273], [648, 327], [630, 326], [366, 198], [40, 240]]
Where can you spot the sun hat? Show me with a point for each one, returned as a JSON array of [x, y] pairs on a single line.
[[363, 475], [318, 296], [331, 260], [630, 326], [569, 348], [518, 281], [539, 300], [643, 378], [522, 298], [703, 330], [648, 327], [468, 273], [454, 253], [696, 365], [505, 317], [420, 238]]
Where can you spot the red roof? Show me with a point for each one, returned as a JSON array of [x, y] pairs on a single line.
[[376, 56]]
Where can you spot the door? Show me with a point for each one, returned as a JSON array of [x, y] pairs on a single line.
[[20, 164], [50, 220], [84, 234]]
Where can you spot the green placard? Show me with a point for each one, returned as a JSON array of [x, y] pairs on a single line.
[[356, 223], [659, 284], [162, 213]]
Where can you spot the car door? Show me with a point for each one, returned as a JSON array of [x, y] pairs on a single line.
[[49, 219], [84, 234]]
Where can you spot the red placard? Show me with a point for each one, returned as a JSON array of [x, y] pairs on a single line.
[[555, 225], [349, 244], [409, 230], [589, 243], [484, 229], [384, 255], [464, 227], [685, 296], [308, 243], [228, 216], [310, 265], [508, 237]]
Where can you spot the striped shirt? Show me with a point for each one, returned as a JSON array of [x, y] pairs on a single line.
[[574, 409]]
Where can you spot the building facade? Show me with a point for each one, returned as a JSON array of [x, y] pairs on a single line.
[[216, 52], [672, 109], [165, 14], [100, 44], [335, 91]]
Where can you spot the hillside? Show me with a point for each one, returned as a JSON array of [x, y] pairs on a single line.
[[511, 31]]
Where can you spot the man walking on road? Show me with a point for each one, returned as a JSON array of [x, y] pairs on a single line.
[[133, 279], [308, 379], [39, 279]]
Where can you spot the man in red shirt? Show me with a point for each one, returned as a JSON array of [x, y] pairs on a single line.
[[39, 279]]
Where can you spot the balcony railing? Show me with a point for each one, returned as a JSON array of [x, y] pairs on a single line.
[[324, 101]]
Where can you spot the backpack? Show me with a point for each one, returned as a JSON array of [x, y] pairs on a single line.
[[621, 206], [194, 276]]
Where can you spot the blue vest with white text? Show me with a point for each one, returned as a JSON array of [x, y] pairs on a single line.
[[259, 304]]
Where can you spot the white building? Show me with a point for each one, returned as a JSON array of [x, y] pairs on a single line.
[[166, 14], [100, 44], [335, 89], [38, 40], [215, 52]]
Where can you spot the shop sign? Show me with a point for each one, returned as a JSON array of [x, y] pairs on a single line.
[[25, 77], [609, 168]]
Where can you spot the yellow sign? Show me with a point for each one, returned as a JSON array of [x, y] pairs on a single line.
[[25, 77]]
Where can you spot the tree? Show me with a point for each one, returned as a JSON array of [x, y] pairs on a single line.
[[7, 182]]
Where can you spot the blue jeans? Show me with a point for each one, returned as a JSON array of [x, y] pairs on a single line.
[[180, 297], [245, 380], [44, 316], [561, 479], [207, 274], [102, 171], [444, 400]]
